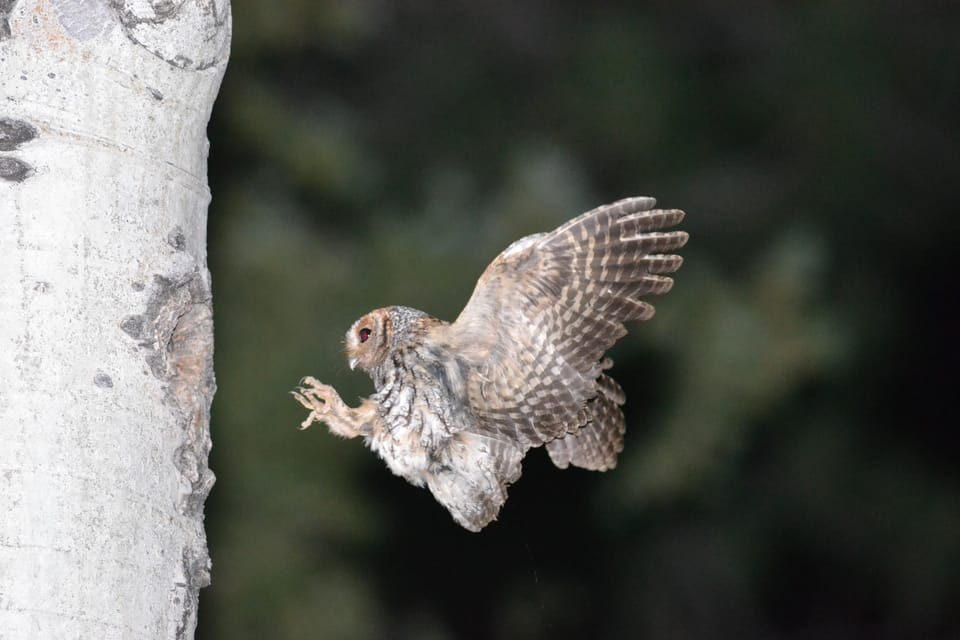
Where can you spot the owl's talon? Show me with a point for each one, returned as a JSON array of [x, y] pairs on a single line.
[[313, 399], [325, 405]]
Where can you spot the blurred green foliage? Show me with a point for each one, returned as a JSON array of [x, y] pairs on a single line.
[[791, 463]]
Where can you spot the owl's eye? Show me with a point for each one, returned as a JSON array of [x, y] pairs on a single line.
[[364, 334]]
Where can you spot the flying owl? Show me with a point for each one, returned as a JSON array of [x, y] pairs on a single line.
[[457, 405]]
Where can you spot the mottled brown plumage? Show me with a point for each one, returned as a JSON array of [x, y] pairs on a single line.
[[457, 405]]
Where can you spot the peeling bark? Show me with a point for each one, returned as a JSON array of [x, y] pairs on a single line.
[[176, 333]]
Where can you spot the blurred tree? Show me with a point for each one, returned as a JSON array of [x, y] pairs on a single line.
[[791, 473]]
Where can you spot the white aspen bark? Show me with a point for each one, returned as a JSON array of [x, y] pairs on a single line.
[[106, 332]]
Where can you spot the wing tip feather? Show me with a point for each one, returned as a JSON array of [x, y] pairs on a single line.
[[631, 204]]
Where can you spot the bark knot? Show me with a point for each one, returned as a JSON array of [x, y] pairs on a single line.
[[14, 169], [176, 330], [14, 132]]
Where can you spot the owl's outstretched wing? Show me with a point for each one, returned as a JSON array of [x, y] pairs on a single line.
[[544, 312]]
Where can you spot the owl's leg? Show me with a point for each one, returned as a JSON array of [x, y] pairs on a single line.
[[325, 405]]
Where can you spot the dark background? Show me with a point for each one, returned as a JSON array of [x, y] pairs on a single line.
[[791, 459]]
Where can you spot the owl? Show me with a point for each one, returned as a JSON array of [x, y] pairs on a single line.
[[458, 405]]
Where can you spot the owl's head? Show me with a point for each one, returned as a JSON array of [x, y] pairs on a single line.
[[371, 338]]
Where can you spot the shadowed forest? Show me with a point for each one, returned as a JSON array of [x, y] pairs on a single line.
[[790, 471]]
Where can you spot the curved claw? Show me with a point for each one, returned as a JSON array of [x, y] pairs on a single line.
[[310, 381], [307, 396], [298, 395]]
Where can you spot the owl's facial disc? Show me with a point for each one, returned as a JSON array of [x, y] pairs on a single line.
[[363, 341]]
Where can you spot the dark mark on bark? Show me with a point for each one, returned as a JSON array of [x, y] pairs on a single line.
[[133, 326], [14, 169], [102, 380], [138, 286], [176, 239], [14, 133], [6, 8], [83, 19], [156, 94]]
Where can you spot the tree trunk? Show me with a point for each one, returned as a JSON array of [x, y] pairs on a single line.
[[106, 332]]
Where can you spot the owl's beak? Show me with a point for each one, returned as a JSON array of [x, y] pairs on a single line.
[[353, 363]]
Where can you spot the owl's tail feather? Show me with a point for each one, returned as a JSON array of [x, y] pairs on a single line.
[[470, 477], [596, 444]]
